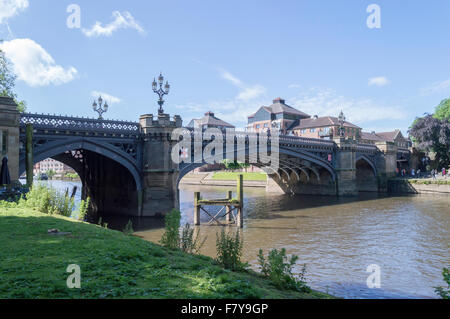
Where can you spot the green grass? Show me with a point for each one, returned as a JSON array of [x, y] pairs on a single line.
[[33, 265], [424, 181], [252, 176]]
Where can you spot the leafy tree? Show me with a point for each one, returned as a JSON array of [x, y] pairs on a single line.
[[8, 80], [432, 134], [233, 165], [50, 173], [443, 110]]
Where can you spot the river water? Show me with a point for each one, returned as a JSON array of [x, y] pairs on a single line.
[[337, 238]]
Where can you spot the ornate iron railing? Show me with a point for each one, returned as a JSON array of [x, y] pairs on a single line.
[[56, 122]]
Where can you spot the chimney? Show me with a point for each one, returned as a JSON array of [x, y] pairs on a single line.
[[279, 100]]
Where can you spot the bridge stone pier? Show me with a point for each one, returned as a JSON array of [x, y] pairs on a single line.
[[127, 168], [160, 174]]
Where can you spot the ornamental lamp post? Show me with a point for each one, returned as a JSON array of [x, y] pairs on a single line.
[[161, 91], [100, 108], [341, 123]]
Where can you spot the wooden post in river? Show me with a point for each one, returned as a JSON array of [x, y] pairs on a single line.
[[229, 216], [196, 208], [240, 197], [229, 205]]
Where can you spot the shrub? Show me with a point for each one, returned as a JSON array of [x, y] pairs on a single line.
[[278, 267], [189, 242], [128, 230], [443, 292], [84, 209], [171, 236], [48, 201], [229, 251]]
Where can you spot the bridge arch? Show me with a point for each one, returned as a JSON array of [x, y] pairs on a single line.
[[53, 149], [366, 174], [368, 161], [317, 166]]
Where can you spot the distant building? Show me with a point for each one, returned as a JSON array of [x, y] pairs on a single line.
[[325, 127], [395, 137], [51, 164], [278, 116], [209, 121]]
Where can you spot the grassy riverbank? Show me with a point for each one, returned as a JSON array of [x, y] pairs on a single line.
[[228, 176], [33, 265]]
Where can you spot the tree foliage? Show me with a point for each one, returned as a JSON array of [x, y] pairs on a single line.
[[433, 134], [8, 81], [233, 165], [443, 110]]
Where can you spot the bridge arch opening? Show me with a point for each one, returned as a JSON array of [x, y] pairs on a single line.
[[111, 182], [366, 175]]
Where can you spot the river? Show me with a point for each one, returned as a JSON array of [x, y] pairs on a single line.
[[337, 238]]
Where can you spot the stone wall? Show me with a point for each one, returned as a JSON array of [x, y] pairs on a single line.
[[9, 125], [160, 174]]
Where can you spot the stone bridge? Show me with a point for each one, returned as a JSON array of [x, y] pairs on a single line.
[[127, 168]]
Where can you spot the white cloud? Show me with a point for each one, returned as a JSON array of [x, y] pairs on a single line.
[[326, 102], [251, 93], [294, 86], [121, 21], [9, 8], [248, 92], [379, 81], [231, 78], [106, 97], [34, 65], [436, 87]]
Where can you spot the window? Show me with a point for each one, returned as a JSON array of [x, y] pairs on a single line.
[[312, 130], [258, 126], [303, 131], [3, 142], [266, 124]]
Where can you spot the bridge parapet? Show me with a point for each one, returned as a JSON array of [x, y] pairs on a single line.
[[78, 124]]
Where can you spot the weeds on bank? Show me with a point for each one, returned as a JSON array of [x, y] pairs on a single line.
[[278, 267], [188, 242], [229, 251], [48, 201], [444, 292], [128, 230]]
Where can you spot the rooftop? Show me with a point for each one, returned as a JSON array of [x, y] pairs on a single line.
[[320, 122], [210, 120], [279, 106]]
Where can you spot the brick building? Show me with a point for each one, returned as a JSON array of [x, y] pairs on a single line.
[[395, 137], [278, 116], [325, 127], [51, 164]]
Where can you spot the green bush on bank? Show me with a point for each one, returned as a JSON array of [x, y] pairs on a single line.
[[444, 292], [229, 251], [278, 267], [48, 201], [188, 242]]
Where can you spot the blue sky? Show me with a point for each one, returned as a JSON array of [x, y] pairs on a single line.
[[232, 57]]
